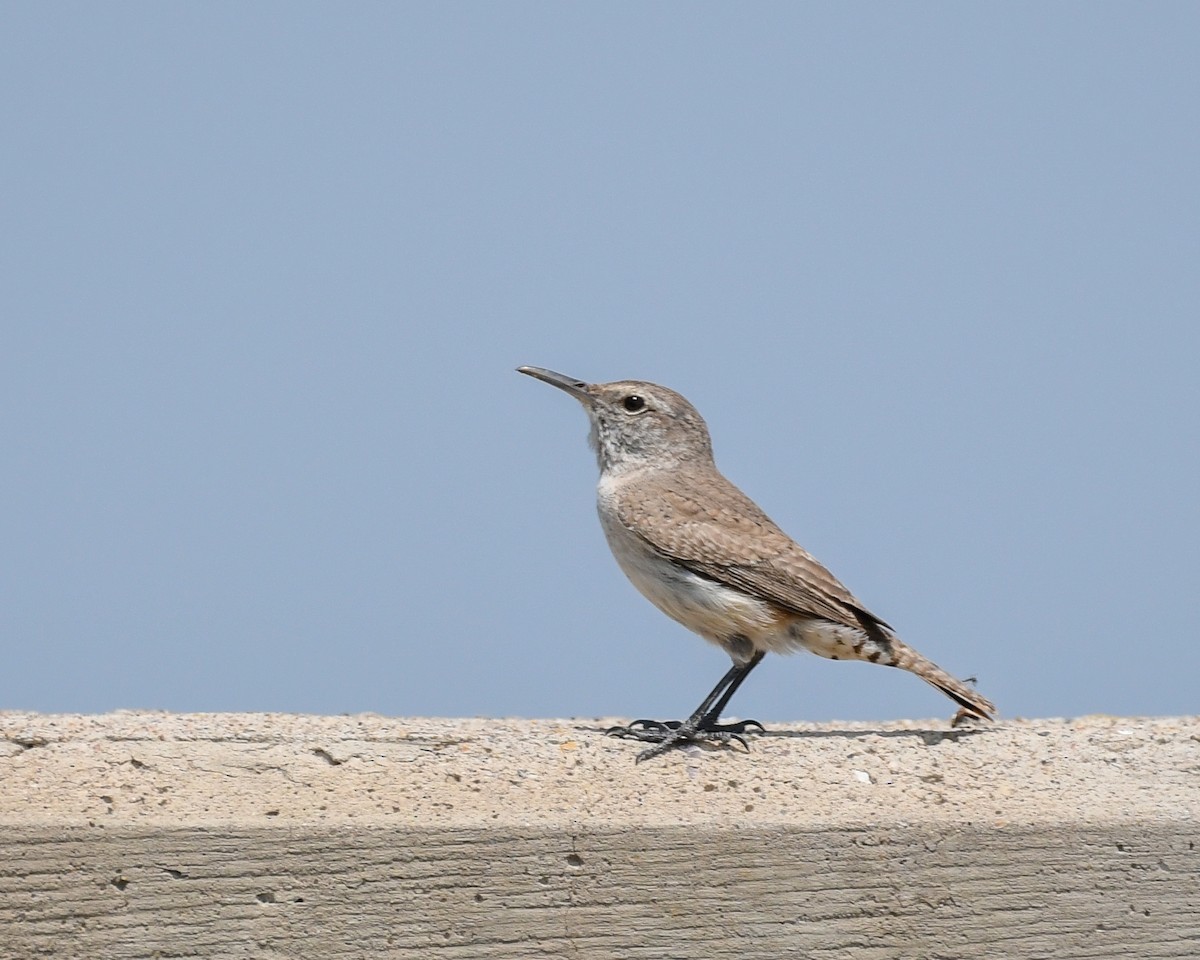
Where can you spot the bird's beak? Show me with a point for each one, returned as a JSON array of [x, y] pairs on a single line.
[[576, 388]]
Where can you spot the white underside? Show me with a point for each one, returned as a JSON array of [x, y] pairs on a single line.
[[720, 614]]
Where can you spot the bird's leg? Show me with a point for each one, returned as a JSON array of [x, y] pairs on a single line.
[[702, 725], [709, 722]]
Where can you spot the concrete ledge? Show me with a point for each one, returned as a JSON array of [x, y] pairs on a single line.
[[156, 835]]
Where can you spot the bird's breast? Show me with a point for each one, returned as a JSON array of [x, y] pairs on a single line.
[[716, 612]]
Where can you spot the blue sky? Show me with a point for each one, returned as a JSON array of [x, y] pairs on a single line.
[[929, 271]]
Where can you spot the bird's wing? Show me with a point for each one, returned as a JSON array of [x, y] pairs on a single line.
[[726, 537]]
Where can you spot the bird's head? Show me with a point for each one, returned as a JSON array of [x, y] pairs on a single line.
[[634, 423]]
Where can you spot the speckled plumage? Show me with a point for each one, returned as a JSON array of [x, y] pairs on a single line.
[[706, 554]]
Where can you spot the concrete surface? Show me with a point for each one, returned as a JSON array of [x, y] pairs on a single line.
[[138, 835]]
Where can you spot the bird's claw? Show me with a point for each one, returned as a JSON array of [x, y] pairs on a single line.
[[742, 726], [637, 727]]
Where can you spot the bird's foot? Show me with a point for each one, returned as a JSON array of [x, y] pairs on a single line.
[[655, 728], [669, 734]]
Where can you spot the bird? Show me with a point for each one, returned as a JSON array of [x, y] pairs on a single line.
[[707, 556]]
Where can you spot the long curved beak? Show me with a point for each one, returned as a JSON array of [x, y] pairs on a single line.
[[576, 388]]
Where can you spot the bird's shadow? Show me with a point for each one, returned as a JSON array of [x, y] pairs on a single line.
[[930, 737]]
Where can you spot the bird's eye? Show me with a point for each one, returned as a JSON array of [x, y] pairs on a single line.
[[633, 403]]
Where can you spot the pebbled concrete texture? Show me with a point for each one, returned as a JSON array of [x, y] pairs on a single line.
[[214, 835]]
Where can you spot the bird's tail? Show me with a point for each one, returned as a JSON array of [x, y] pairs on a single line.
[[973, 705]]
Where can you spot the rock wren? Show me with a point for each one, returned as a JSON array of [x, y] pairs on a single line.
[[705, 554]]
